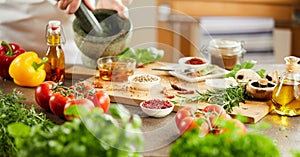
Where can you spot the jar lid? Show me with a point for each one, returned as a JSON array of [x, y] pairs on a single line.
[[226, 46]]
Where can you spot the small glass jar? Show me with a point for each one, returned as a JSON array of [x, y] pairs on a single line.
[[225, 53], [115, 68]]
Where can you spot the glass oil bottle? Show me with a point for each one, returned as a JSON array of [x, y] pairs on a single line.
[[55, 66], [286, 95]]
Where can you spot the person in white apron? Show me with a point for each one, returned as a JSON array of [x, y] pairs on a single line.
[[24, 22]]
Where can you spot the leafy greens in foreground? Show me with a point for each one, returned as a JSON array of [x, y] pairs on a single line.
[[94, 134], [229, 144], [13, 110]]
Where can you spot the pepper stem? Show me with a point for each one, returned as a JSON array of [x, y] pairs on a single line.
[[10, 51], [36, 66]]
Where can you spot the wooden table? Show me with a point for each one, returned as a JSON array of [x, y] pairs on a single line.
[[159, 133]]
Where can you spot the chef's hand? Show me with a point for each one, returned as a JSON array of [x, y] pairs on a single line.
[[118, 5], [71, 6]]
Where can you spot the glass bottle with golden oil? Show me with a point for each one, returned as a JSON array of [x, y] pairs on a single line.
[[286, 95], [55, 66]]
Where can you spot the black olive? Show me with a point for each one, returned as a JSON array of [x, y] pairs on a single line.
[[270, 85], [255, 84], [269, 78], [240, 77]]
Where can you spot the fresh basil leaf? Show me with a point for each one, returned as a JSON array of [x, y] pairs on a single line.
[[143, 56]]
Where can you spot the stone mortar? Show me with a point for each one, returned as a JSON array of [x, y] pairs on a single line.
[[115, 38]]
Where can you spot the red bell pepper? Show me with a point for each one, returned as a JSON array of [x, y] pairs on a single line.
[[8, 52]]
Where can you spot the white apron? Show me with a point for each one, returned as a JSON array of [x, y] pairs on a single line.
[[24, 22]]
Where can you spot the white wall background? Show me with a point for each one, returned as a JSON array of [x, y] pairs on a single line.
[[143, 16]]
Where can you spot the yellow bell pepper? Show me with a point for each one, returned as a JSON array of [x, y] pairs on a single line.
[[27, 69]]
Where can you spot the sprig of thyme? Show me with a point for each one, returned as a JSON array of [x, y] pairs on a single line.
[[227, 98]]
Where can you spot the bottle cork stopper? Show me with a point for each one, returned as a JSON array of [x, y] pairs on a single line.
[[54, 23], [292, 64]]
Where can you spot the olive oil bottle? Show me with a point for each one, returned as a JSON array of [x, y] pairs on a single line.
[[286, 95], [55, 67]]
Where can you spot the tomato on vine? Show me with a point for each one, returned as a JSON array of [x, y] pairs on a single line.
[[212, 119], [57, 103], [85, 103], [43, 92]]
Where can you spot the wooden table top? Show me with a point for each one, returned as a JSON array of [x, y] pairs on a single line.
[[159, 133]]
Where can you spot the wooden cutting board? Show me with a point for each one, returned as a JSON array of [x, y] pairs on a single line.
[[122, 92]]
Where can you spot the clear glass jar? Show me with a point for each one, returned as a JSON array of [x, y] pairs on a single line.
[[225, 53], [286, 95], [55, 66]]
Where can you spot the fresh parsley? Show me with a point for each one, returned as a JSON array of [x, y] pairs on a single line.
[[12, 109], [224, 145], [95, 134]]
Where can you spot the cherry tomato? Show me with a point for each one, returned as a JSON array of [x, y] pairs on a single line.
[[241, 128], [43, 93], [182, 113], [101, 99], [86, 103], [215, 112], [187, 124], [212, 117], [57, 103], [204, 128], [215, 109]]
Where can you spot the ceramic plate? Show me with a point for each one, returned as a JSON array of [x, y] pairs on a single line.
[[202, 73]]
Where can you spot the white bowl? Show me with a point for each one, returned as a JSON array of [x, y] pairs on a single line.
[[183, 61], [157, 112], [143, 81]]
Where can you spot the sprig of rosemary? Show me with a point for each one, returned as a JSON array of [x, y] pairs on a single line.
[[227, 98]]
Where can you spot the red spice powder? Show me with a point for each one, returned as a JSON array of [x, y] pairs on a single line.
[[195, 61], [157, 104]]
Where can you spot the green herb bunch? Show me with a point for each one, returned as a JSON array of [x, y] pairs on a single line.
[[227, 98], [12, 109], [95, 134], [229, 144]]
